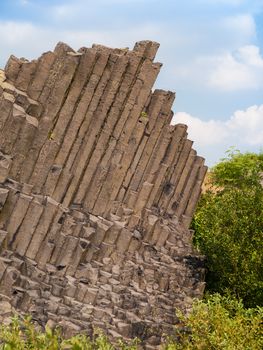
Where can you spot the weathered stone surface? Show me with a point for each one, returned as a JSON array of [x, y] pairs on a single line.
[[97, 191]]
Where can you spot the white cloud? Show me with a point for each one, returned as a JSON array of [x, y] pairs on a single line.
[[250, 55], [24, 39], [242, 24], [204, 133], [30, 41], [229, 74], [243, 126], [244, 130], [226, 59], [13, 32], [240, 70], [247, 125]]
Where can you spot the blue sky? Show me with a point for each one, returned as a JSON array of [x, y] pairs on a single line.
[[212, 51]]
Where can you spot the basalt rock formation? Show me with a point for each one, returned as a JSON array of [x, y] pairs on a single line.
[[97, 191]]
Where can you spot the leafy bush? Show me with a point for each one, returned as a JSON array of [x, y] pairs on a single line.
[[228, 228], [23, 335], [219, 323]]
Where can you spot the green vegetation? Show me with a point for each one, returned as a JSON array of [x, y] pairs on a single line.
[[23, 335], [144, 115], [51, 135], [229, 228], [219, 323]]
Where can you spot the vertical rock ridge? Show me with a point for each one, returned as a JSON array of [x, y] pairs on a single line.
[[97, 192]]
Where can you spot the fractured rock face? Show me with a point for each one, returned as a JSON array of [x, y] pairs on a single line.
[[97, 191]]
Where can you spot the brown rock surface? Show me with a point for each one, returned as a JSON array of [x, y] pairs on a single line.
[[97, 191]]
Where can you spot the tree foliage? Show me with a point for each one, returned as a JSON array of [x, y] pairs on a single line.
[[220, 323], [228, 227]]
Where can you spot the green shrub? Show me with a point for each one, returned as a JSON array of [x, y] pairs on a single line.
[[219, 323], [23, 335], [228, 228]]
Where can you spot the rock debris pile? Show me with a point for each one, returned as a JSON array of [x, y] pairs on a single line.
[[97, 191]]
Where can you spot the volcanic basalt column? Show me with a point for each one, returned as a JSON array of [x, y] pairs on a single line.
[[97, 191]]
